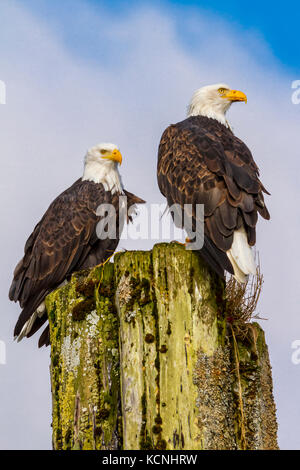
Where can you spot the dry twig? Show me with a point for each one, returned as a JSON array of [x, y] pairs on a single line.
[[241, 303]]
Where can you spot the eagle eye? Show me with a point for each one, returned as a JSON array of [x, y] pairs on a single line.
[[221, 91], [103, 151]]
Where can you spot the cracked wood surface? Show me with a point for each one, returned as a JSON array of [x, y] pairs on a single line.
[[141, 358]]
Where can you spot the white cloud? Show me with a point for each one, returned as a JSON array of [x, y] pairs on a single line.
[[59, 102]]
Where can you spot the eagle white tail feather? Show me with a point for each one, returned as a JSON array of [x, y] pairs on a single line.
[[30, 322], [241, 256]]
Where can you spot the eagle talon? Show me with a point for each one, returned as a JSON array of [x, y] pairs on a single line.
[[178, 243], [187, 240]]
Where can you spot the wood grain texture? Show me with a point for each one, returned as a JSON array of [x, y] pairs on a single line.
[[162, 315]]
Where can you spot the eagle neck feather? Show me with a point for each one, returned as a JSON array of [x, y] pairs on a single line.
[[205, 109], [107, 174], [211, 114]]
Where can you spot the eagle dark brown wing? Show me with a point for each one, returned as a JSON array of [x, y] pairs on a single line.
[[200, 161], [64, 241]]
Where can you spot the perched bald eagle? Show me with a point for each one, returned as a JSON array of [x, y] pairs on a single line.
[[65, 240], [201, 161]]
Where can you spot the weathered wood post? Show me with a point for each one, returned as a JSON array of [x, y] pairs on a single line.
[[142, 358]]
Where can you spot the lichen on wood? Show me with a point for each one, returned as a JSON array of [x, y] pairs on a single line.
[[85, 362], [149, 331]]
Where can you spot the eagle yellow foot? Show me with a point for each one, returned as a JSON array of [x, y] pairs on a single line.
[[187, 240], [109, 258]]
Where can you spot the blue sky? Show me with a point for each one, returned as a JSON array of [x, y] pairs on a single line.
[[80, 72], [275, 23]]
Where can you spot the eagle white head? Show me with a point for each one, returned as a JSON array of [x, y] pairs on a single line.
[[101, 166], [213, 101]]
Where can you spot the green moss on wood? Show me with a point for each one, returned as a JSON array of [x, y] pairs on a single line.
[[85, 362], [149, 330]]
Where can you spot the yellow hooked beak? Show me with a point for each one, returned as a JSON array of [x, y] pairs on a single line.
[[235, 95], [115, 156]]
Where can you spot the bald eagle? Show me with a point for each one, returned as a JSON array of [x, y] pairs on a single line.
[[201, 161], [65, 239]]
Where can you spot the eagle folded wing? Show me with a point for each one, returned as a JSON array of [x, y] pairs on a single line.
[[201, 162], [60, 244]]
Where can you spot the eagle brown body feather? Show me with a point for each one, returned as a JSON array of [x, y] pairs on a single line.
[[64, 241], [200, 161]]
